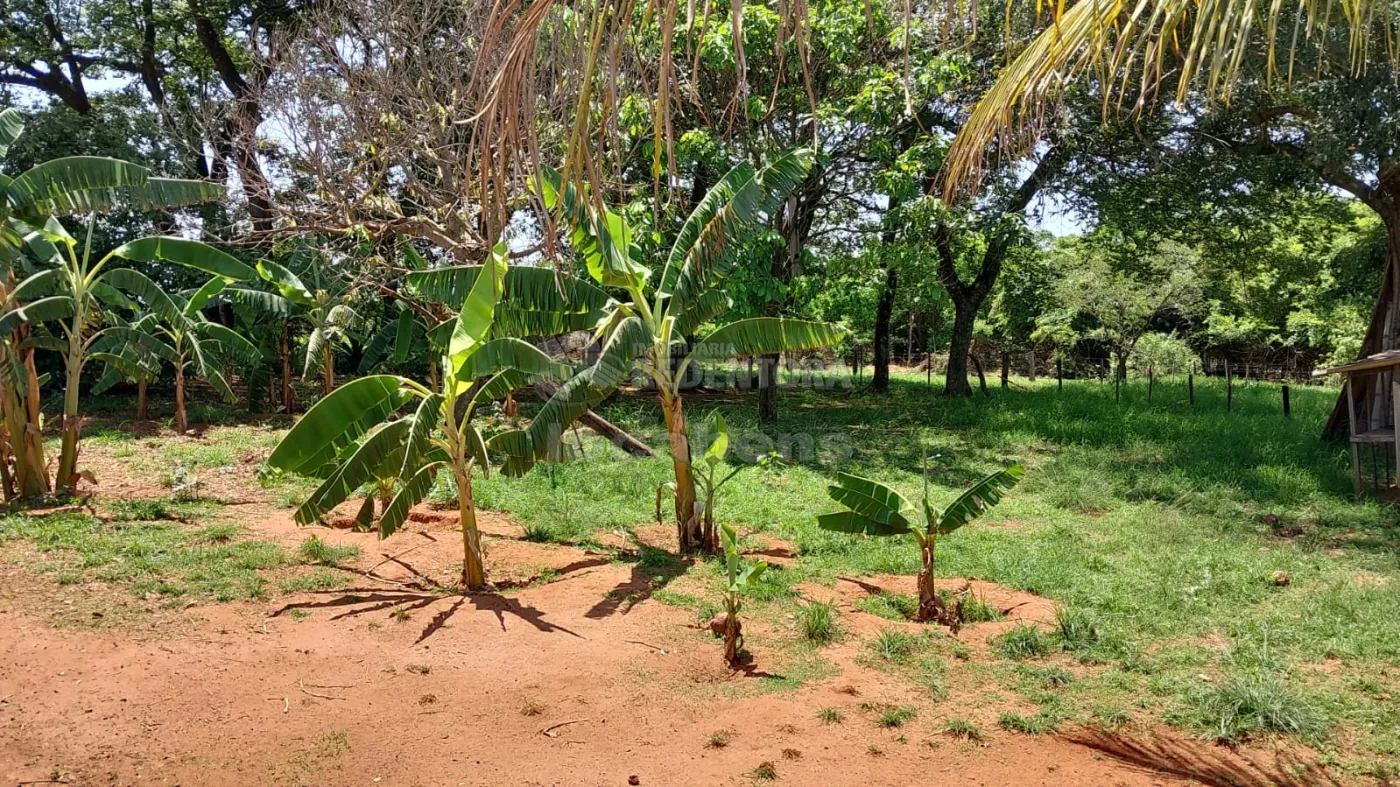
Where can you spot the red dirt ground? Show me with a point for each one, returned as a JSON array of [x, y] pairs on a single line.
[[565, 683]]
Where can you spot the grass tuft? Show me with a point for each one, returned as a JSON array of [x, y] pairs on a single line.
[[1024, 641], [817, 621], [314, 550]]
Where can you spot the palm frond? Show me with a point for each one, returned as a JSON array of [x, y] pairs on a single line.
[[336, 421], [978, 498], [189, 253], [411, 493], [371, 459], [765, 335]]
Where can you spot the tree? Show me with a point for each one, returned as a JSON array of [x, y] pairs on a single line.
[[1124, 296], [641, 331], [327, 442], [177, 332]]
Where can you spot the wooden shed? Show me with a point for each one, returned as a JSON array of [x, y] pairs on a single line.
[[1372, 395]]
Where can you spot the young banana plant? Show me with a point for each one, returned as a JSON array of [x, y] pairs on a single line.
[[642, 330], [348, 439], [324, 305], [709, 477], [29, 203], [878, 510], [740, 574], [175, 331]]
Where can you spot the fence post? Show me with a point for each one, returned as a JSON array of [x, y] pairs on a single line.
[[1287, 410], [1191, 388], [1150, 382], [1117, 385], [1005, 368], [1060, 373]]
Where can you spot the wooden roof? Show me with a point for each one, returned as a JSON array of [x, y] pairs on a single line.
[[1380, 360]]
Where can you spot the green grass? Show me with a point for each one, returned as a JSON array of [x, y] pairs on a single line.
[[314, 550], [150, 559], [817, 622]]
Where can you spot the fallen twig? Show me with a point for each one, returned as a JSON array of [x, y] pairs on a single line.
[[549, 731], [304, 690], [662, 651]]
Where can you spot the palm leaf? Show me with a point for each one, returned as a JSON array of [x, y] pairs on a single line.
[[11, 126], [425, 420], [73, 184], [410, 494], [600, 236], [701, 310], [336, 421], [368, 462], [145, 341], [765, 335], [851, 522], [190, 253], [476, 449], [478, 311], [202, 295], [129, 367], [286, 283], [982, 495], [524, 447], [739, 201], [405, 330], [535, 301], [232, 341], [510, 353], [41, 284], [136, 283], [315, 346], [261, 300], [377, 349], [54, 307]]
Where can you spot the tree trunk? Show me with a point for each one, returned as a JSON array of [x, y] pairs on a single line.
[[880, 381], [955, 381], [327, 369], [1122, 370], [733, 635], [141, 410], [690, 531], [286, 352], [473, 559], [768, 388], [182, 423]]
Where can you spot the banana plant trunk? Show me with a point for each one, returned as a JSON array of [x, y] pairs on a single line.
[[286, 373], [473, 565], [327, 369], [26, 441], [930, 605], [72, 424], [141, 408], [690, 530], [182, 424], [733, 635]]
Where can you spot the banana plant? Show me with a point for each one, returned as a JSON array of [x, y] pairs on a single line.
[[642, 330], [709, 476], [176, 332], [878, 510], [323, 304], [740, 575], [78, 290], [348, 439], [23, 465], [29, 203]]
